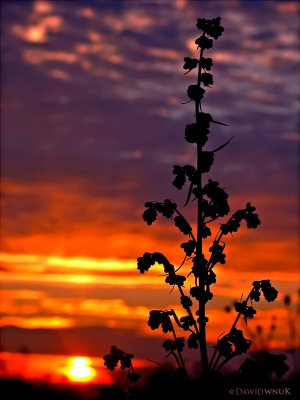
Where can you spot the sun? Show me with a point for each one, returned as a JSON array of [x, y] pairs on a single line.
[[79, 369]]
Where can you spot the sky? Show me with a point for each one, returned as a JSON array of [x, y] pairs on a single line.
[[92, 123]]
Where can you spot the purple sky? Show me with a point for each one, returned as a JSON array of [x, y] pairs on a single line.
[[92, 94]]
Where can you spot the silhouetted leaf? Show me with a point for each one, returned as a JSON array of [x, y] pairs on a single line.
[[186, 302], [204, 42], [195, 92], [149, 215], [207, 79], [193, 341], [190, 63], [188, 247], [211, 26], [173, 279], [182, 225], [269, 292], [206, 63]]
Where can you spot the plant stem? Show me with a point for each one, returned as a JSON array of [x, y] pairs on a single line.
[[202, 317], [216, 362], [188, 309], [239, 314], [179, 359], [213, 358], [213, 364]]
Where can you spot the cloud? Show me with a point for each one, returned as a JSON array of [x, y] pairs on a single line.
[[39, 26], [59, 74], [38, 56], [42, 7], [38, 322], [288, 7], [135, 19]]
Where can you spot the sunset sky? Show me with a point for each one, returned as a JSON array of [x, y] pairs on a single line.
[[92, 123]]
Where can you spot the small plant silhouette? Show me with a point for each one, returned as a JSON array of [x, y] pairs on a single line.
[[195, 287]]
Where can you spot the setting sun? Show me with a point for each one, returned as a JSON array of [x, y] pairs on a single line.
[[79, 369]]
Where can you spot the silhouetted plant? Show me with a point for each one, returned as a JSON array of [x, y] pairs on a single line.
[[117, 356], [212, 204], [262, 337], [293, 312], [292, 316]]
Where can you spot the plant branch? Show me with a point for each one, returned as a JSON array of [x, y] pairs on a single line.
[[179, 359], [189, 311], [240, 313], [179, 213]]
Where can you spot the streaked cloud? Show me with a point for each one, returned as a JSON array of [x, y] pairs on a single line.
[[38, 322]]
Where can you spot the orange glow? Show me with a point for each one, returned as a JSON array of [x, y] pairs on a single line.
[[132, 239], [79, 369], [36, 308], [54, 368], [38, 322], [288, 7], [35, 267], [166, 53]]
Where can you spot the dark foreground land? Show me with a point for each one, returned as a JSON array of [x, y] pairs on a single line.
[[158, 388]]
